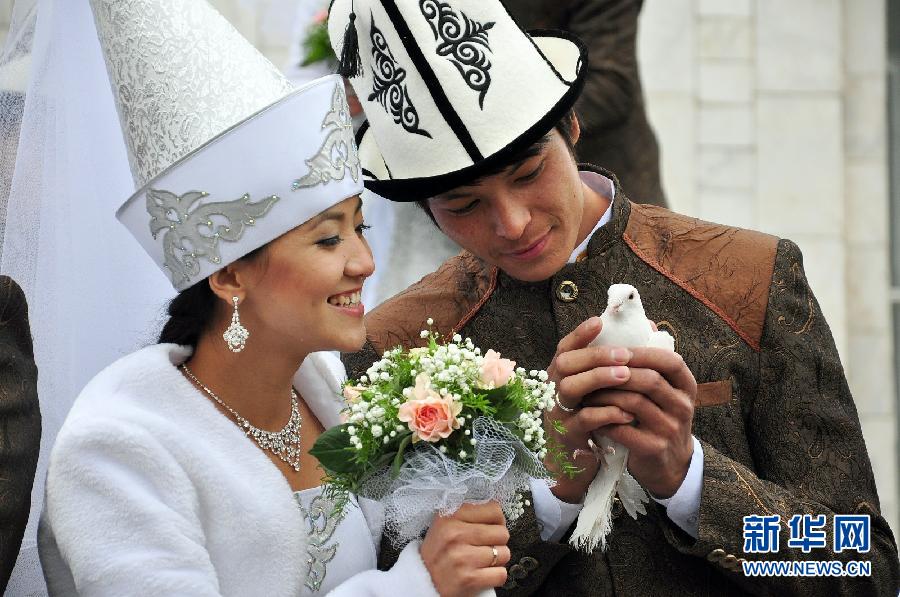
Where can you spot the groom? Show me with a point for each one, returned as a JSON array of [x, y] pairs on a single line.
[[471, 118]]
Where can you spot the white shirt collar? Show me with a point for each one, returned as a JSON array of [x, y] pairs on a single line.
[[604, 186]]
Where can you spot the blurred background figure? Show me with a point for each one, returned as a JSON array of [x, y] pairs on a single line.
[[310, 55], [615, 133], [20, 423]]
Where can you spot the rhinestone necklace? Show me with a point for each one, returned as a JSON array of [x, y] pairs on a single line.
[[285, 443]]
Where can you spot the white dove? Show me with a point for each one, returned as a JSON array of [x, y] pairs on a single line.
[[624, 324]]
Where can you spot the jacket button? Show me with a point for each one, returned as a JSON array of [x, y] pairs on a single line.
[[528, 563], [517, 572], [730, 561], [567, 291], [716, 555]]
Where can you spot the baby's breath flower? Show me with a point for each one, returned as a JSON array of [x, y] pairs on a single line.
[[429, 321], [423, 334]]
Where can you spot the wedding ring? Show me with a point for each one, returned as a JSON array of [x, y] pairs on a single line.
[[495, 555], [563, 407]]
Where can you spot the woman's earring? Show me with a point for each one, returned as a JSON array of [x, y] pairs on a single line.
[[236, 335]]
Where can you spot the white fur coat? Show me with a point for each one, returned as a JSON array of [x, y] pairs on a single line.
[[151, 491]]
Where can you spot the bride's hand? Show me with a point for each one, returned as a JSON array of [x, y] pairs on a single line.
[[458, 550]]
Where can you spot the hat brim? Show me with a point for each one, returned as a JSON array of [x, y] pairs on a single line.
[[566, 55]]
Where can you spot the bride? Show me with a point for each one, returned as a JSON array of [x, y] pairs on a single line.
[[184, 468]]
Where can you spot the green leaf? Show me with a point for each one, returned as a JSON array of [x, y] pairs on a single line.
[[317, 45], [398, 459], [334, 451]]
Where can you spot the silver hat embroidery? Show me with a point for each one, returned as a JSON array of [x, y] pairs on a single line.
[[194, 233], [338, 154]]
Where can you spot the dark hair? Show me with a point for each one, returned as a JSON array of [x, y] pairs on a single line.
[[192, 309], [565, 127]]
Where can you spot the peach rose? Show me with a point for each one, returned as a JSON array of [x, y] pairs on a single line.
[[496, 372], [430, 416], [352, 393]]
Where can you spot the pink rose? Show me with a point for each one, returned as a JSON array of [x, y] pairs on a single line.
[[321, 16], [430, 416], [496, 372]]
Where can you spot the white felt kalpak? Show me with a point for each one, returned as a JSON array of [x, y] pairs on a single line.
[[447, 85]]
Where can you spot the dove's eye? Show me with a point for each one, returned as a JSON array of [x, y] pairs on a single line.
[[631, 296]]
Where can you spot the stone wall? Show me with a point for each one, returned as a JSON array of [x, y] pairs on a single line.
[[772, 115]]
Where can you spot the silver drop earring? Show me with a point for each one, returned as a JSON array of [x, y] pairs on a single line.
[[236, 335]]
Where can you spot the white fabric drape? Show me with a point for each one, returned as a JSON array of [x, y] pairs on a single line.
[[93, 294]]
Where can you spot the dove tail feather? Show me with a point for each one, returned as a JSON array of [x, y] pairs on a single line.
[[632, 495], [595, 520]]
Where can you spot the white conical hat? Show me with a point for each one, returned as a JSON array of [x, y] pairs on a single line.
[[451, 88], [225, 153]]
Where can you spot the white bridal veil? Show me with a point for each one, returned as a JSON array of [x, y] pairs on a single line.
[[93, 294]]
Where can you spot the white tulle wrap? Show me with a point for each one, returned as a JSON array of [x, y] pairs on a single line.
[[429, 482], [92, 294]]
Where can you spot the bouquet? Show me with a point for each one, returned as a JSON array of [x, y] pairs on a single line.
[[430, 428], [317, 45]]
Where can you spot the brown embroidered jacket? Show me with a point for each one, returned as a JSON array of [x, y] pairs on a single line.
[[778, 425]]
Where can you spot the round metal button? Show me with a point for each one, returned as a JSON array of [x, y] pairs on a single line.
[[528, 563], [730, 561], [716, 555], [567, 291]]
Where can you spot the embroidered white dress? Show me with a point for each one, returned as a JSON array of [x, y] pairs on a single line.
[[152, 491]]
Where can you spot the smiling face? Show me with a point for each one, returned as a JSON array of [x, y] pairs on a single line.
[[527, 219], [304, 292]]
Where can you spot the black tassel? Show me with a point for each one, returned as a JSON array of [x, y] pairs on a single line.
[[350, 64]]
